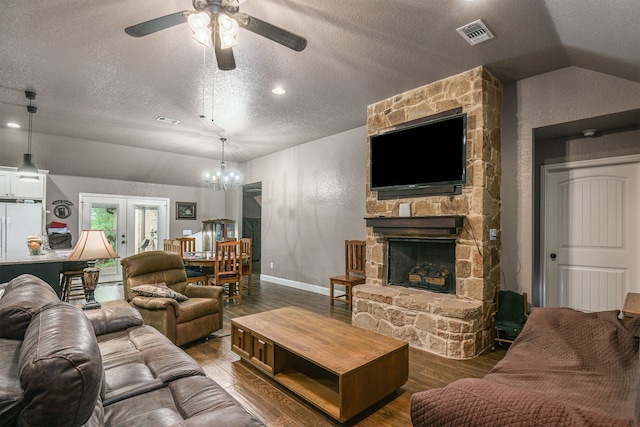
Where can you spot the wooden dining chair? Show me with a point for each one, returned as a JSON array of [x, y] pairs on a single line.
[[179, 246], [247, 261], [187, 244], [172, 246], [354, 256], [228, 269]]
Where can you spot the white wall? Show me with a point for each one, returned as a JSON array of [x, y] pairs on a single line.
[[313, 198], [560, 96], [210, 204]]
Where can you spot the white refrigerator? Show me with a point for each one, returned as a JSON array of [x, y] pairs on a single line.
[[17, 221]]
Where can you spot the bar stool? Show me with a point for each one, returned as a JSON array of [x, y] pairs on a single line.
[[72, 281]]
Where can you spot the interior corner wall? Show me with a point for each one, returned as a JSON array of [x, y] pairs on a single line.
[[313, 199], [560, 96]]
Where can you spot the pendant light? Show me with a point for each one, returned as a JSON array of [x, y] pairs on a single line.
[[28, 170]]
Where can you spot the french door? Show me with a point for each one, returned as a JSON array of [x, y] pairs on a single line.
[[132, 225], [590, 250]]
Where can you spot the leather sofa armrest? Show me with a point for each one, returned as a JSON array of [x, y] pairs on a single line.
[[156, 303], [113, 319], [195, 291]]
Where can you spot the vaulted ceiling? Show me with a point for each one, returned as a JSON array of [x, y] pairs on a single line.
[[96, 83]]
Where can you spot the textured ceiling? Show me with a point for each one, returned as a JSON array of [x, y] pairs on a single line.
[[96, 83]]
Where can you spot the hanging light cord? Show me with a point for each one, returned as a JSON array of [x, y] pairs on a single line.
[[30, 127], [31, 109]]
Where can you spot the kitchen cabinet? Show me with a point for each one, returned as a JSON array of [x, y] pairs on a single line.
[[11, 187]]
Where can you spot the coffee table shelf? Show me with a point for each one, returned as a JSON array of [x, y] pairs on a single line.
[[339, 368]]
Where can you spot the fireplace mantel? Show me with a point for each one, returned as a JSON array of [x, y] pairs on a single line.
[[417, 225]]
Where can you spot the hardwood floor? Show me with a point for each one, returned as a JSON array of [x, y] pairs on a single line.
[[274, 404]]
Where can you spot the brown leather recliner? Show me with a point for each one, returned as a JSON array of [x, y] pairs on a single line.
[[181, 322]]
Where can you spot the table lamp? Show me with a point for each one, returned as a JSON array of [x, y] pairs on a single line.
[[92, 246]]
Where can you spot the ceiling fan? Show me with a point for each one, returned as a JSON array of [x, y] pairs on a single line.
[[217, 21]]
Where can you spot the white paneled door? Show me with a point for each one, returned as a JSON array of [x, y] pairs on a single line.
[[131, 224], [590, 250]]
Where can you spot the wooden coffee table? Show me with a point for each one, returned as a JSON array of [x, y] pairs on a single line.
[[339, 368]]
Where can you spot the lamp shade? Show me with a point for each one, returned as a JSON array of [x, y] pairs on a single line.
[[92, 245]]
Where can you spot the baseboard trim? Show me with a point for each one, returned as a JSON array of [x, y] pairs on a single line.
[[293, 284]]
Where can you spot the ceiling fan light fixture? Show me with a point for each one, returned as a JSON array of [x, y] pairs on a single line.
[[199, 21], [200, 24], [203, 37], [228, 29]]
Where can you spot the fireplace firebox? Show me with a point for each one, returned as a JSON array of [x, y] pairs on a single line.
[[422, 263]]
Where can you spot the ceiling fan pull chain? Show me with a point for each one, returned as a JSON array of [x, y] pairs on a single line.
[[202, 81], [213, 83]]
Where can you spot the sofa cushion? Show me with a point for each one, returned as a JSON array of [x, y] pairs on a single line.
[[159, 290], [190, 401], [23, 297], [60, 368], [140, 359]]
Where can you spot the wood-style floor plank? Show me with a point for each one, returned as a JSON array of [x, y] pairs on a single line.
[[277, 406]]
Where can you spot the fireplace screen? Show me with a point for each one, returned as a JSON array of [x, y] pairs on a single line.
[[422, 263]]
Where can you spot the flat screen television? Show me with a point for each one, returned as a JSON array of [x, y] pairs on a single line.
[[429, 154]]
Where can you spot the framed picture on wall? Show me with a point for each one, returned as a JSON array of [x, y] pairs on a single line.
[[185, 210]]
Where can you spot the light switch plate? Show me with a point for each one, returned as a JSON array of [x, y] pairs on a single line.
[[493, 234]]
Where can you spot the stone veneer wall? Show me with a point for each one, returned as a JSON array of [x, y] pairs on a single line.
[[453, 326]]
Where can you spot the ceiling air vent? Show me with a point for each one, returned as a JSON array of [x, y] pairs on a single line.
[[168, 120], [475, 32]]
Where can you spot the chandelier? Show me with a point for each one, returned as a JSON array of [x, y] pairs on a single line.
[[223, 179]]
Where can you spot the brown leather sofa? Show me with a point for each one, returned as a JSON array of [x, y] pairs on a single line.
[[60, 366], [181, 322]]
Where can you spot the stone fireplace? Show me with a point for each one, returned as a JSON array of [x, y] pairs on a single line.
[[447, 308]]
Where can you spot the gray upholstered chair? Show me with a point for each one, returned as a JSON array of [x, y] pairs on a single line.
[[181, 322]]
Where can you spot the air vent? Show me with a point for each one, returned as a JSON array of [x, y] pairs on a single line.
[[475, 32], [168, 120]]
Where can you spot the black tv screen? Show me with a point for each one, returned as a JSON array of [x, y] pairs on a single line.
[[428, 154]]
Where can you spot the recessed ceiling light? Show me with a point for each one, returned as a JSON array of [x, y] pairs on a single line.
[[13, 125], [278, 90]]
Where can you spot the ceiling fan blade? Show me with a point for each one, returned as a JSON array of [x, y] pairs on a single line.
[[270, 31], [226, 61], [157, 24]]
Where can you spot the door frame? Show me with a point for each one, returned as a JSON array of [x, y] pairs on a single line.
[[129, 203], [558, 167]]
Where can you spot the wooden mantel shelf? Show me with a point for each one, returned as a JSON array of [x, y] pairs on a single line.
[[417, 225]]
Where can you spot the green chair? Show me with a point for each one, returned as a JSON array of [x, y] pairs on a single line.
[[509, 318]]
